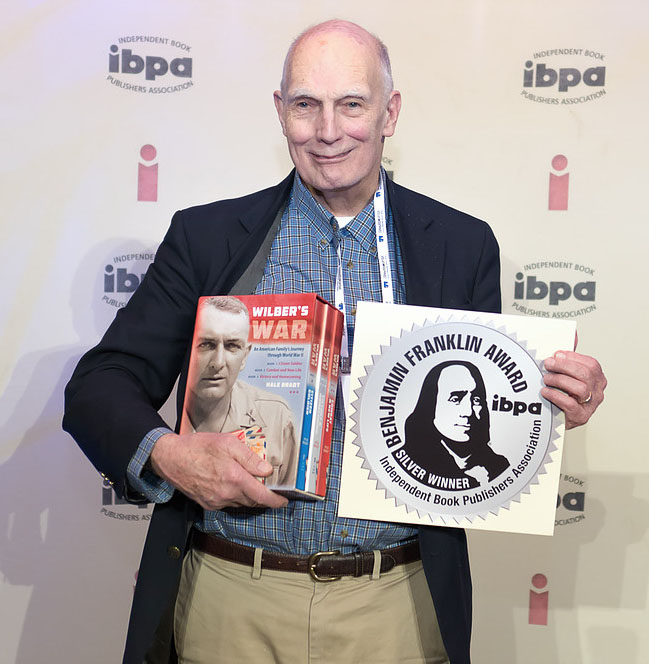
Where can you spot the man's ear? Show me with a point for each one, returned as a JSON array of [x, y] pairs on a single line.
[[245, 357], [279, 106], [392, 110]]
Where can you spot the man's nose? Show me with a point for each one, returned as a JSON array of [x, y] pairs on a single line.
[[328, 128], [465, 408], [217, 358]]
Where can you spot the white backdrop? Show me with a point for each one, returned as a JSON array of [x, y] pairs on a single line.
[[471, 134]]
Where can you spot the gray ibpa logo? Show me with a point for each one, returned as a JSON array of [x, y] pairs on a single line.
[[117, 508], [564, 76], [150, 65], [450, 422], [571, 500], [123, 273], [555, 289]]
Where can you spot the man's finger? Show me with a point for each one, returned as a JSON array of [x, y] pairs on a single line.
[[577, 365], [562, 364], [258, 495], [249, 459], [575, 388], [575, 413], [575, 383], [252, 492]]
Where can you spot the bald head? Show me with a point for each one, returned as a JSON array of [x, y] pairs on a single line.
[[351, 30]]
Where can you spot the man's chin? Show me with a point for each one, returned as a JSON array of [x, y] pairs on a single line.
[[336, 175], [210, 395], [329, 179], [460, 440]]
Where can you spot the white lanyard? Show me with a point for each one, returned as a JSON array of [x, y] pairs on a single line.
[[385, 271]]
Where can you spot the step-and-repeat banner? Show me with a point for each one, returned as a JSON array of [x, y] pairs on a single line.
[[532, 116]]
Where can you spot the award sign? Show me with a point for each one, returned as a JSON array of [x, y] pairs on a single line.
[[446, 423]]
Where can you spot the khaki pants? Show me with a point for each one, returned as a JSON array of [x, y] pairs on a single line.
[[225, 616]]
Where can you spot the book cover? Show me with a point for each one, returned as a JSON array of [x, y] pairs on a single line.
[[252, 373]]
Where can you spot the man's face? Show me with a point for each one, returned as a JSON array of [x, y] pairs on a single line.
[[458, 405], [220, 351], [335, 113]]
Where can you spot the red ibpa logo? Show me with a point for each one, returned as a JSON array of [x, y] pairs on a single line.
[[539, 600], [147, 174], [559, 183]]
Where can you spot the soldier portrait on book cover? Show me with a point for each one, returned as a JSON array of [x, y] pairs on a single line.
[[218, 402]]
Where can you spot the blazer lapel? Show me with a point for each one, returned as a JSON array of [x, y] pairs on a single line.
[[254, 224], [422, 245]]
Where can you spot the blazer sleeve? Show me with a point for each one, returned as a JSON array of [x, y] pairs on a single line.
[[486, 287], [112, 399]]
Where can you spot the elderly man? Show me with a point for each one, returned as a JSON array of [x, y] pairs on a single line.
[[253, 585], [217, 401]]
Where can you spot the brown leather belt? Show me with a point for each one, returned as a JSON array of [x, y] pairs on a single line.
[[321, 566]]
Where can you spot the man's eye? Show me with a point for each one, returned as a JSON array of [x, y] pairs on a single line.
[[477, 401], [302, 104], [353, 104], [454, 399]]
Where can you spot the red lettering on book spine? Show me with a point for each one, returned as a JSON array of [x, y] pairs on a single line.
[[336, 327], [322, 382]]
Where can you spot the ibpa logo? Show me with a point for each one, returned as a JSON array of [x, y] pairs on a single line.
[[554, 289], [114, 507], [571, 501], [539, 600], [564, 76], [122, 275], [151, 65]]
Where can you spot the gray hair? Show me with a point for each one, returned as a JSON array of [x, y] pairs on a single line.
[[227, 303]]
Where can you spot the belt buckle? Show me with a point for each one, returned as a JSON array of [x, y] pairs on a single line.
[[313, 561]]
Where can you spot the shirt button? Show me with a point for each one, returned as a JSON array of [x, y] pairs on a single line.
[[344, 534], [353, 311], [323, 243], [373, 249], [350, 264], [173, 552]]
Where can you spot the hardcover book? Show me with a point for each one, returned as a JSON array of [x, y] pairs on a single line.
[[261, 368]]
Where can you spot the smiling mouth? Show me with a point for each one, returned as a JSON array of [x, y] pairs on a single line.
[[330, 159]]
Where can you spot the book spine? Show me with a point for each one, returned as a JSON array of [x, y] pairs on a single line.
[[322, 382], [309, 398], [336, 328]]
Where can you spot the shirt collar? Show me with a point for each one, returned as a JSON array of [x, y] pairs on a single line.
[[361, 227]]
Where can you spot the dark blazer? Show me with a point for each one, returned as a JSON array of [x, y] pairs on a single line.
[[450, 260]]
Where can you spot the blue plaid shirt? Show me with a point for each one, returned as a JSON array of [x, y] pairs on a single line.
[[303, 259]]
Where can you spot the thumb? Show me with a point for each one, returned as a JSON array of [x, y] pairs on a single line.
[[252, 462]]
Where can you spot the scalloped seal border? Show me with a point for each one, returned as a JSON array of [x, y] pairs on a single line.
[[435, 513]]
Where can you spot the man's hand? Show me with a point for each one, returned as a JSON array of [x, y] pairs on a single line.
[[214, 469], [578, 382]]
